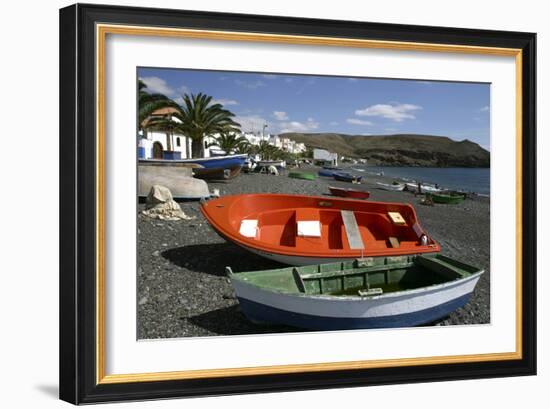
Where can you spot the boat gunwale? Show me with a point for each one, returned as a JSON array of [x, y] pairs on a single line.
[[358, 298], [194, 160]]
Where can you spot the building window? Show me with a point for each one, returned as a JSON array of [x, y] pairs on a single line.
[[178, 143]]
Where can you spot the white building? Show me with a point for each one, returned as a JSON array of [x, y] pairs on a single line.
[[324, 156], [161, 144]]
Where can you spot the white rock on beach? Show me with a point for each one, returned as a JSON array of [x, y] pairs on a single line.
[[161, 205]]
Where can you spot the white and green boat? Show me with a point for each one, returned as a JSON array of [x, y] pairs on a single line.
[[381, 292]]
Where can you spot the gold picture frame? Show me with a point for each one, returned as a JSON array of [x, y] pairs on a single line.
[[93, 384]]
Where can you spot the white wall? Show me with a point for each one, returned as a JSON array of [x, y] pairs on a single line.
[[155, 136], [29, 227]]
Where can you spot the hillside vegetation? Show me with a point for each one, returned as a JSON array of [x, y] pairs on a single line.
[[399, 150]]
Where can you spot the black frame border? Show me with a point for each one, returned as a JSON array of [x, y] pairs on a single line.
[[78, 197]]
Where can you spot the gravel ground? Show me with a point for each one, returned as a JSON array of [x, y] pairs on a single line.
[[183, 291]]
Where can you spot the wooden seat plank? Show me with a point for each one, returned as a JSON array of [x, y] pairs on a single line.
[[352, 230]]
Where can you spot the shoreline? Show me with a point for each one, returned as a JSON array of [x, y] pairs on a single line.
[[182, 290], [373, 171]]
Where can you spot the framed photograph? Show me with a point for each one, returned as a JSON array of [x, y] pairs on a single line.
[[257, 203]]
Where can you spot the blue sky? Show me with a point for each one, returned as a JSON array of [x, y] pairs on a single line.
[[358, 106]]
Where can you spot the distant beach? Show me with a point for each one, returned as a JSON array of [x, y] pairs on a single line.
[[182, 290]]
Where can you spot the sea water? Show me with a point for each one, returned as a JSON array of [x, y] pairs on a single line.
[[476, 180]]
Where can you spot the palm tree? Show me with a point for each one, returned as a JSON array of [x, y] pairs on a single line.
[[149, 103], [246, 148], [199, 119], [268, 151], [230, 142]]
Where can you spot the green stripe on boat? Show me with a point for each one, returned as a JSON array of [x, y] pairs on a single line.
[[302, 175], [446, 198]]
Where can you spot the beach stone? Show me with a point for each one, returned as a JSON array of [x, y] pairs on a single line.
[[161, 205]]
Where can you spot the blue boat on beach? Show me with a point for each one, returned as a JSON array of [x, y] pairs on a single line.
[[222, 162], [346, 177], [328, 171]]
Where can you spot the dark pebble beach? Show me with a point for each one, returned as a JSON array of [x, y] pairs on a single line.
[[182, 290]]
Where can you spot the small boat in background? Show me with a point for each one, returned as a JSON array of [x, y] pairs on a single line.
[[300, 230], [384, 292], [329, 171], [279, 164], [446, 198], [396, 187], [349, 193], [424, 188], [217, 173], [302, 175], [347, 177], [224, 162], [178, 179]]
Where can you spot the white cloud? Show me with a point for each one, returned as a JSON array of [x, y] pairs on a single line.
[[295, 126], [251, 123], [250, 84], [183, 90], [157, 85], [224, 101], [355, 121], [395, 112], [280, 115], [484, 109], [334, 123], [160, 86]]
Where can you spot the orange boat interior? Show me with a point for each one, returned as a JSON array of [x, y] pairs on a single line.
[[276, 223], [279, 227]]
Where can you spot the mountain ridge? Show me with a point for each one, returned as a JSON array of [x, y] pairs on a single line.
[[399, 149]]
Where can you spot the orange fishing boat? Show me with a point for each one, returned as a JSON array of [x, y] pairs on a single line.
[[301, 230]]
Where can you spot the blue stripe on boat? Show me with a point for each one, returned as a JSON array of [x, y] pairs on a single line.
[[265, 314], [220, 162]]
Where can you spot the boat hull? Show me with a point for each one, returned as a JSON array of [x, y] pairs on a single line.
[[217, 173], [294, 260], [413, 187], [178, 179], [224, 162], [446, 199], [347, 177], [350, 193], [325, 172], [392, 188], [275, 221], [301, 175], [405, 309]]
